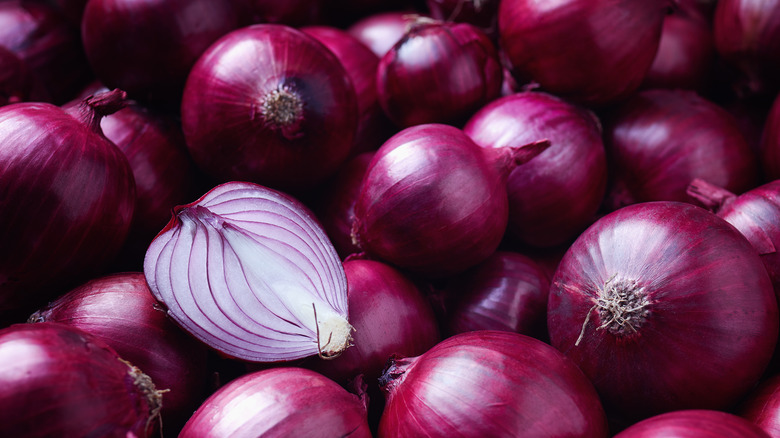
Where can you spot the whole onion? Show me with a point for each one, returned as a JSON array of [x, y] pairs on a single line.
[[147, 48], [747, 36], [15, 80], [249, 271], [438, 73], [382, 30], [67, 196], [556, 195], [762, 406], [592, 52], [120, 310], [769, 146], [693, 423], [490, 383], [664, 306], [660, 140], [269, 104], [433, 202], [279, 402], [57, 380], [480, 13]]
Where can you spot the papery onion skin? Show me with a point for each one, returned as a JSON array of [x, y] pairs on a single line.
[[438, 73], [147, 48], [67, 196], [382, 30], [590, 52], [556, 195], [250, 112], [660, 140], [762, 406], [490, 383], [694, 423], [769, 147], [279, 402], [664, 306], [249, 271], [119, 310], [57, 380]]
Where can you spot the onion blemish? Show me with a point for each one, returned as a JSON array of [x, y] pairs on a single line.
[[622, 306]]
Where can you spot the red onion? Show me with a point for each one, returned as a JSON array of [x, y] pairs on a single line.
[[56, 380], [15, 81], [508, 291], [279, 402], [556, 195], [147, 48], [664, 306], [381, 31], [762, 406], [490, 383], [480, 13], [67, 197], [433, 202], [693, 423], [747, 36], [769, 147], [660, 140], [438, 73], [590, 51], [49, 47], [119, 309], [251, 112], [250, 272]]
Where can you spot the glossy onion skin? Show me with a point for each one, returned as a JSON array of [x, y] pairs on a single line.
[[56, 380], [279, 402], [222, 110], [438, 73], [451, 213], [147, 48], [490, 383], [769, 145], [591, 52], [660, 140], [693, 423], [67, 197], [711, 318], [762, 406], [553, 197]]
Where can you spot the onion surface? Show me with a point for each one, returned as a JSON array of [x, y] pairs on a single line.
[[695, 423]]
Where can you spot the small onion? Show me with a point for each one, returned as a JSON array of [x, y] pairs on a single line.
[[490, 383], [59, 381], [269, 104], [250, 272], [438, 73], [433, 202], [589, 51], [693, 423], [762, 406], [556, 195], [664, 306], [381, 31], [279, 402]]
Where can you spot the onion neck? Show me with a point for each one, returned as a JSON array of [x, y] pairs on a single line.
[[712, 197], [395, 374], [282, 109], [622, 307], [153, 397], [506, 159], [92, 109]]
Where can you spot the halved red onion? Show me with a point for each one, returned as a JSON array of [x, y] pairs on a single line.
[[382, 30], [490, 383], [556, 195], [589, 51], [280, 402], [249, 271], [120, 310], [660, 140], [693, 423], [269, 104], [762, 406], [438, 73], [57, 380], [664, 306]]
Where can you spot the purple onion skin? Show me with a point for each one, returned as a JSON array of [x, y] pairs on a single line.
[[590, 52], [223, 111], [67, 196], [556, 195], [661, 140], [390, 316], [56, 380], [747, 37], [508, 291], [381, 31], [762, 406], [279, 402], [432, 202], [701, 321], [769, 146], [15, 79], [119, 310], [490, 383], [147, 48], [438, 73], [694, 423]]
